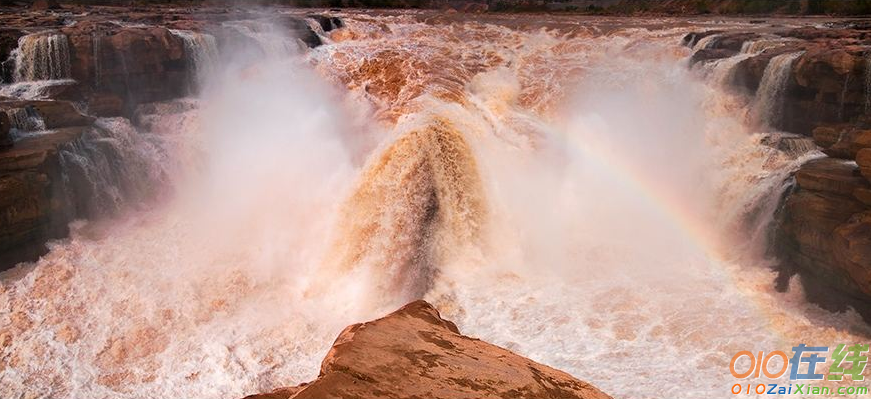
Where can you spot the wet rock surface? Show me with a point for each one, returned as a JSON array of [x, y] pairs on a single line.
[[413, 353]]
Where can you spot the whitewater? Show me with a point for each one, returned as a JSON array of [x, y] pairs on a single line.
[[569, 188]]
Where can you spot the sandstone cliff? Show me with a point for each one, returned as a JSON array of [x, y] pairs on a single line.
[[824, 228], [414, 353]]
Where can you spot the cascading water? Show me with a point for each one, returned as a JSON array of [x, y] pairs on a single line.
[[273, 41], [202, 51], [42, 56], [768, 107], [706, 42], [111, 166], [721, 70], [41, 61], [25, 119], [575, 196]]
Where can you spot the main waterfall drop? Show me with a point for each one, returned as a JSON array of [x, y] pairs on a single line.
[[418, 205]]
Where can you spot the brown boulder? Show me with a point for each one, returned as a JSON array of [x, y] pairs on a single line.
[[852, 248], [709, 54], [45, 5], [863, 159], [812, 216], [828, 135], [55, 114], [863, 195], [135, 64], [105, 104], [830, 175], [842, 141], [414, 353], [5, 137], [31, 194]]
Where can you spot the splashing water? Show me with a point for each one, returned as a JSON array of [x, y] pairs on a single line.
[[42, 56], [576, 196]]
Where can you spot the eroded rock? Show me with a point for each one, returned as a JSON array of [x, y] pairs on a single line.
[[414, 353]]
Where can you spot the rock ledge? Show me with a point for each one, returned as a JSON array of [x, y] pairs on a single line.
[[414, 353]]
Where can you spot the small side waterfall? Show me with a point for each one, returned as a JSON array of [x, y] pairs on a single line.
[[705, 42], [275, 44], [768, 106], [843, 97], [202, 52], [96, 45], [760, 45], [721, 70], [109, 166], [25, 119], [42, 56]]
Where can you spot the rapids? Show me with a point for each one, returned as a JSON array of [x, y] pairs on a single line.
[[566, 188]]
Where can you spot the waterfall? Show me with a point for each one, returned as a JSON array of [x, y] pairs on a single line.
[[96, 44], [274, 43], [417, 203], [109, 166], [843, 96], [202, 52], [759, 45], [755, 207], [42, 57], [721, 71], [25, 119], [705, 42], [768, 106], [536, 185]]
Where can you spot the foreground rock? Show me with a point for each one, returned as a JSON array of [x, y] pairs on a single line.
[[414, 353]]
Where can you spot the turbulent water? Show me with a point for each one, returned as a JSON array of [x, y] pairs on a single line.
[[567, 188]]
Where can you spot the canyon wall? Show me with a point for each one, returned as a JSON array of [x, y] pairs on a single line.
[[813, 81]]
